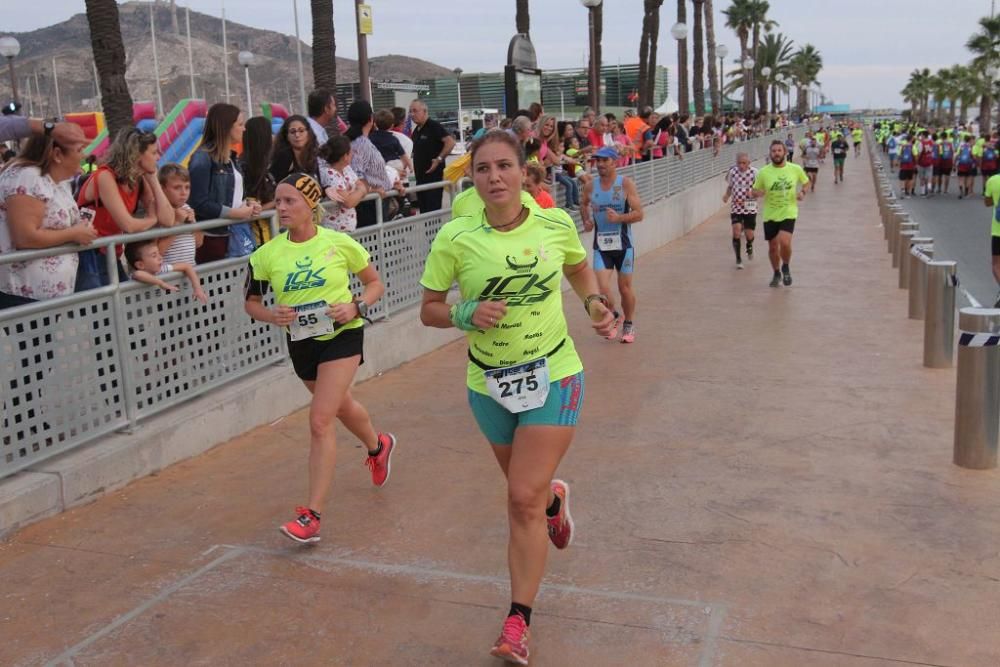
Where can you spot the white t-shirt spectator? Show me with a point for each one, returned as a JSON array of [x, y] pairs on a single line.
[[40, 278]]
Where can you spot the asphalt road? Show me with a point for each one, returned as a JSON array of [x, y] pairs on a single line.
[[961, 232]]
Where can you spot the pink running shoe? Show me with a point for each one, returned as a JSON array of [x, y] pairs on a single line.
[[628, 333], [561, 525], [512, 645], [381, 465], [614, 329], [304, 529]]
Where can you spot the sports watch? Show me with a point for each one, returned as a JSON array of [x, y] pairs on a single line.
[[362, 309], [48, 126]]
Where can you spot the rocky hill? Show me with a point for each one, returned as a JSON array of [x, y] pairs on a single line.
[[274, 76]]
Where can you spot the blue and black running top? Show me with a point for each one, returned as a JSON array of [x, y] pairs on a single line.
[[615, 199]]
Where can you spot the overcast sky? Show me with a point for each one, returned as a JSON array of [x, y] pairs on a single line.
[[868, 46]]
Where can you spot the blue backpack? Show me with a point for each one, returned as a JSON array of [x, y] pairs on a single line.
[[892, 144], [965, 155], [906, 154], [947, 151]]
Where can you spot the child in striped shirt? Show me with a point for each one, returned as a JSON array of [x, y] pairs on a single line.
[[176, 183]]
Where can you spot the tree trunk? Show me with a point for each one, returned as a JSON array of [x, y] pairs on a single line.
[[699, 58], [109, 56], [654, 38], [683, 101], [644, 94], [985, 113], [747, 90], [714, 83], [324, 45], [951, 111], [523, 18], [964, 116]]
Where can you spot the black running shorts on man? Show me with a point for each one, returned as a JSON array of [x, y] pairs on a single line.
[[771, 229], [309, 353], [748, 220]]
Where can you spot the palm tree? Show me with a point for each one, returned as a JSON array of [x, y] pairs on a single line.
[[758, 17], [523, 18], [597, 14], [713, 73], [109, 58], [324, 45], [912, 96], [985, 45], [919, 87], [968, 86], [774, 52], [683, 102], [739, 19], [804, 68], [699, 58], [647, 52]]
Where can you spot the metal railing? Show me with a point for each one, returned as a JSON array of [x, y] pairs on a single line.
[[79, 367]]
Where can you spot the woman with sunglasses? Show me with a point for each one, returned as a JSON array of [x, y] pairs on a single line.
[[217, 189]]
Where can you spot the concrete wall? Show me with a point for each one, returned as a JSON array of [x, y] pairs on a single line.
[[85, 474]]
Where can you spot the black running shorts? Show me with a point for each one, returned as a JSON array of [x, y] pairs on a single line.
[[996, 246], [309, 353], [772, 227], [748, 220]]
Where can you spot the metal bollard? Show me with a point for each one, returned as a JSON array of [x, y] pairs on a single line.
[[919, 256], [977, 396], [892, 224], [939, 320], [900, 244], [906, 256]]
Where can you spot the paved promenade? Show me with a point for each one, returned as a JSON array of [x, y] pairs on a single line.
[[764, 479]]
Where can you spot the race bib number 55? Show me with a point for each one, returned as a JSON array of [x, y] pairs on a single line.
[[311, 321]]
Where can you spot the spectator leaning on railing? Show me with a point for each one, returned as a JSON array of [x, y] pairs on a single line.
[[255, 165], [38, 211], [366, 160], [125, 180], [344, 187], [216, 182]]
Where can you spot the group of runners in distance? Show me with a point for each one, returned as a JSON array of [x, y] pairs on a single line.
[[926, 159]]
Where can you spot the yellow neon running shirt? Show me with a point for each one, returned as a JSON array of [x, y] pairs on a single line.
[[523, 267], [993, 192], [316, 270], [781, 185], [858, 135]]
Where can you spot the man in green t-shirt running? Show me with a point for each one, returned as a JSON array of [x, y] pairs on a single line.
[[778, 183], [992, 200]]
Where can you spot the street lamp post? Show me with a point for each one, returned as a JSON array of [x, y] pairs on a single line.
[[594, 75], [461, 125], [722, 51], [9, 48], [748, 65], [679, 31], [365, 82], [246, 59]]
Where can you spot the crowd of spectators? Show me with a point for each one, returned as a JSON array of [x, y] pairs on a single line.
[[372, 152]]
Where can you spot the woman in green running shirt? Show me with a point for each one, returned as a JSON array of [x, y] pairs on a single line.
[[524, 378]]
